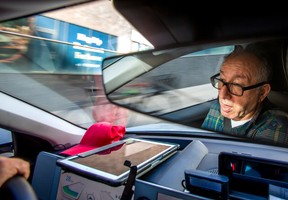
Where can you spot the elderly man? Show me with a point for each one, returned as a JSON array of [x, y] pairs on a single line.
[[242, 108]]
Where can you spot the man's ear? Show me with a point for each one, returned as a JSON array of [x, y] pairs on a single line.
[[265, 91]]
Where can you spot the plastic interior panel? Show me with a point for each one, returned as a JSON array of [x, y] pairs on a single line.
[[46, 176], [157, 192], [258, 150], [189, 158]]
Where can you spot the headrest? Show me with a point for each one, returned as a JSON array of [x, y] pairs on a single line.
[[275, 52], [278, 57]]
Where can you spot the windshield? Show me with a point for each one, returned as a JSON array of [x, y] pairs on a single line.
[[53, 60]]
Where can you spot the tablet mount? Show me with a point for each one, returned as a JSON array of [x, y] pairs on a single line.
[[128, 191]]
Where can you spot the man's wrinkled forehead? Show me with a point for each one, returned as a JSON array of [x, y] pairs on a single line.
[[237, 72], [233, 75], [245, 65]]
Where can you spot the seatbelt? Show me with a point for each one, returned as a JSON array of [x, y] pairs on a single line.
[[227, 125]]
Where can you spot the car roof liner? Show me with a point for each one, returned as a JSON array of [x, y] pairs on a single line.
[[13, 9], [162, 29]]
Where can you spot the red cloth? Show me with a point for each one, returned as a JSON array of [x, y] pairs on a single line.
[[97, 135]]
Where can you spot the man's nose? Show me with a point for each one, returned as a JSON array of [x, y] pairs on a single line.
[[224, 92]]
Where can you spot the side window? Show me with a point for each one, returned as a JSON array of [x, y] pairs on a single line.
[[189, 76], [6, 144]]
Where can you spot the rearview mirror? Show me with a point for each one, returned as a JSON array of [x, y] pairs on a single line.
[[172, 84]]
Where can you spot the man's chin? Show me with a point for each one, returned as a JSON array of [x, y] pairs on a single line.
[[227, 115]]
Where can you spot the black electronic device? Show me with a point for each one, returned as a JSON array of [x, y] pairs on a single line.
[[207, 184], [250, 175]]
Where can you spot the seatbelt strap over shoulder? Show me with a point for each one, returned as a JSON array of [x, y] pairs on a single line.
[[227, 125]]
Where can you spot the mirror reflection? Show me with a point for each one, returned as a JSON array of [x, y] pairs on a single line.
[[228, 89]]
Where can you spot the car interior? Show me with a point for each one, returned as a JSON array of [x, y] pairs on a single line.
[[205, 165], [195, 153], [203, 154]]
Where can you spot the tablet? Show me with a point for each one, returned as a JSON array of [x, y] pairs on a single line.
[[106, 164]]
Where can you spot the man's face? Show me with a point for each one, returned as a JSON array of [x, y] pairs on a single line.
[[241, 69]]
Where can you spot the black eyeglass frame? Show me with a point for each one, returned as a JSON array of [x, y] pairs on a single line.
[[212, 78]]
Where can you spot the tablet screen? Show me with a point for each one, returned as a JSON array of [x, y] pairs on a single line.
[[109, 163], [112, 160]]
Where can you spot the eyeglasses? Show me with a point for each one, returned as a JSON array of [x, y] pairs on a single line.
[[233, 88]]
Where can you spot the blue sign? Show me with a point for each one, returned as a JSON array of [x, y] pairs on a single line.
[[88, 49]]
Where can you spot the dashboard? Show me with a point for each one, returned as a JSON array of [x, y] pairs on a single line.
[[204, 169]]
